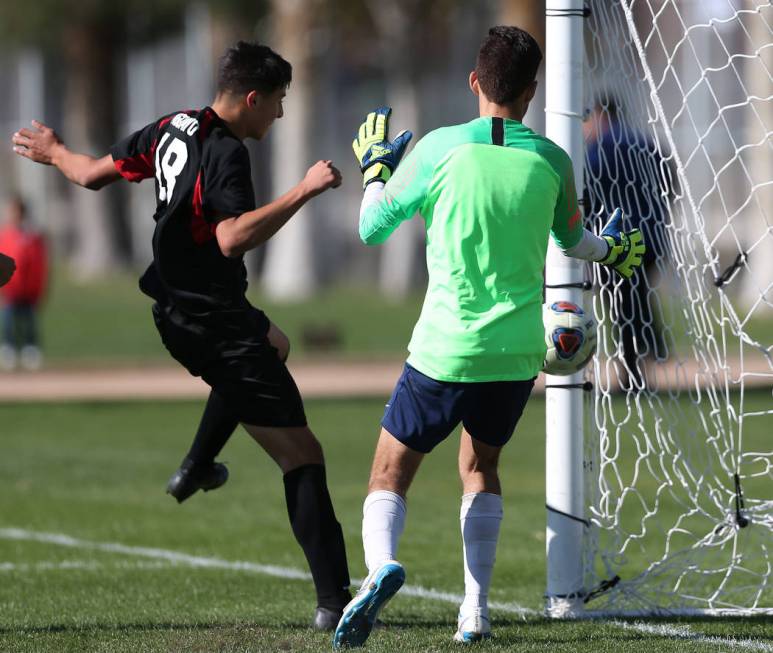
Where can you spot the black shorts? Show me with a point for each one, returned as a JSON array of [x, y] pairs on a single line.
[[423, 412], [231, 352]]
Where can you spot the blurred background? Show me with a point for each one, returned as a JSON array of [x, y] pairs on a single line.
[[95, 71]]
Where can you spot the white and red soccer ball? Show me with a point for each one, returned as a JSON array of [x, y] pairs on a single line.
[[570, 335]]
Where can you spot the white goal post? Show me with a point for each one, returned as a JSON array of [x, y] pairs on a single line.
[[659, 458]]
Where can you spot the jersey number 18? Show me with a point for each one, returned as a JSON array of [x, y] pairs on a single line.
[[170, 162]]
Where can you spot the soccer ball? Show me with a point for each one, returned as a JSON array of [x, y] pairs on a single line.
[[570, 335]]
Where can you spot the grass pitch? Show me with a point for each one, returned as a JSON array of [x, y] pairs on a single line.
[[96, 472], [81, 323]]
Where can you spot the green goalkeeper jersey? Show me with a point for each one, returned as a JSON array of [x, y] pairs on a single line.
[[490, 192]]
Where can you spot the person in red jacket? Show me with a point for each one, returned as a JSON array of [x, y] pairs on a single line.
[[24, 291]]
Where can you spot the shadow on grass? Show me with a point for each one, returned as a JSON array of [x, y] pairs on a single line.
[[150, 627], [507, 632]]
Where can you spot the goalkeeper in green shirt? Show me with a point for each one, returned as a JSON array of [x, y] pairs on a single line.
[[491, 192]]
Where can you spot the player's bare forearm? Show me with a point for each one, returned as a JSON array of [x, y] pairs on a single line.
[[238, 235], [86, 171], [42, 145], [235, 236]]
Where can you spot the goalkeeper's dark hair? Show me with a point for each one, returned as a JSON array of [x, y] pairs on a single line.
[[507, 63], [247, 67]]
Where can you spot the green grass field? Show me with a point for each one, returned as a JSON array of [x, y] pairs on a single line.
[[108, 322], [96, 472]]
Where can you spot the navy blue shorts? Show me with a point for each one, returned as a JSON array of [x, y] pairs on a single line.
[[423, 412]]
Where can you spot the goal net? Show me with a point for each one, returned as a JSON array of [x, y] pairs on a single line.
[[679, 437]]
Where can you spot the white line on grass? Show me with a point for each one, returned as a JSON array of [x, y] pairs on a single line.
[[684, 633], [178, 558], [174, 557], [66, 565], [47, 566]]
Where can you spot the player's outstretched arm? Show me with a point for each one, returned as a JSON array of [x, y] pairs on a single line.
[[621, 250], [238, 235], [43, 145], [7, 268]]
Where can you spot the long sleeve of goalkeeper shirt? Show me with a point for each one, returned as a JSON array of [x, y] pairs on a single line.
[[386, 206]]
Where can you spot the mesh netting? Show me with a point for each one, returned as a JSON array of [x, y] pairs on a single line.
[[680, 453]]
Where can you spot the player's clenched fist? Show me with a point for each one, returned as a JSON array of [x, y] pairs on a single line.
[[38, 144], [321, 176]]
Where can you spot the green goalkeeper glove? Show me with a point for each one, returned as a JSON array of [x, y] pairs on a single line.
[[625, 247], [378, 157]]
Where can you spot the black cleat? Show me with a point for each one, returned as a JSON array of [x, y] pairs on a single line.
[[326, 620], [326, 617], [191, 477]]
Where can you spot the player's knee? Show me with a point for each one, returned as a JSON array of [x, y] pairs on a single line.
[[285, 353], [279, 341], [282, 350]]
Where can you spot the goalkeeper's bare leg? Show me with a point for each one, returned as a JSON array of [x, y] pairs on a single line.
[[383, 521]]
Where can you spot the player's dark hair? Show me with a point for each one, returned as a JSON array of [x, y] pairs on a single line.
[[249, 67], [507, 63]]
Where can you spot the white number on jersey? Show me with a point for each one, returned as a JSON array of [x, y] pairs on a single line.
[[169, 165]]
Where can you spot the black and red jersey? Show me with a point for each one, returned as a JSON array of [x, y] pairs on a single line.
[[202, 175]]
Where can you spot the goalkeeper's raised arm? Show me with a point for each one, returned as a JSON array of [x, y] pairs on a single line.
[[378, 158]]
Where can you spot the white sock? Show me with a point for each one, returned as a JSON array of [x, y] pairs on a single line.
[[383, 521], [480, 517]]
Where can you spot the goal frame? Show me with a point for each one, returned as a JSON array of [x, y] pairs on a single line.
[[565, 595]]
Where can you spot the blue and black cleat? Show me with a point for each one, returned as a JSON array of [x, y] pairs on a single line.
[[361, 613]]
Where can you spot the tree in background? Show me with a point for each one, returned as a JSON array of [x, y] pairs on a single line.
[[394, 44], [289, 270], [346, 54]]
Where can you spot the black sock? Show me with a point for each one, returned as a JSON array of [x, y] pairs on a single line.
[[216, 426], [318, 532]]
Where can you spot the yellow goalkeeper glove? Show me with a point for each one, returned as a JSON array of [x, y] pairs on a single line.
[[377, 155], [626, 248]]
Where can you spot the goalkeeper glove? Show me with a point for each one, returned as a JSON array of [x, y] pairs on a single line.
[[625, 247], [378, 157]]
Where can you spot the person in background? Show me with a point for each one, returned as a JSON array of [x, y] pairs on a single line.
[[24, 292], [617, 160]]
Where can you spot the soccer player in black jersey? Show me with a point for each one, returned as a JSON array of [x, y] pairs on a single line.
[[206, 220]]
